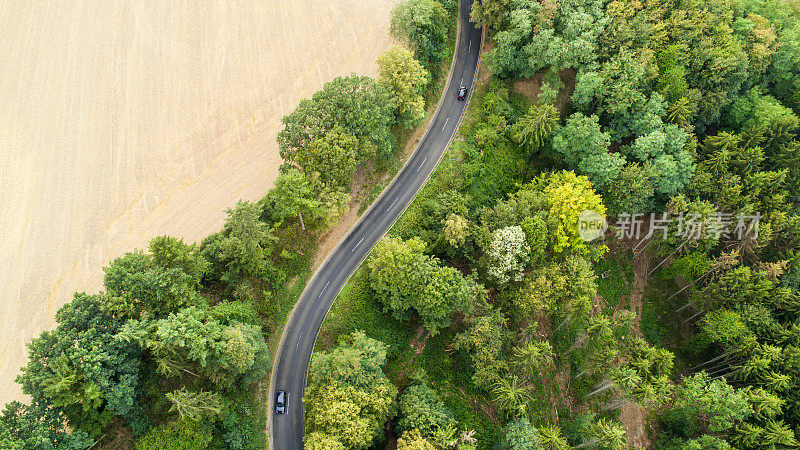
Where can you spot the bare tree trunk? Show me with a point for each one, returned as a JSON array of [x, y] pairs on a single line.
[[693, 282], [668, 257], [690, 318], [722, 369], [725, 376], [639, 243], [618, 404], [569, 316], [578, 342], [635, 253], [601, 389], [716, 367], [710, 361], [586, 444]]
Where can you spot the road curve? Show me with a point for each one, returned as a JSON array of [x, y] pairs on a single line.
[[299, 334]]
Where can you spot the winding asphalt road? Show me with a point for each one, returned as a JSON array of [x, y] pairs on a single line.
[[299, 335]]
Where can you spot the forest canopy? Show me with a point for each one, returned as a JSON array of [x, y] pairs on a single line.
[[677, 124]]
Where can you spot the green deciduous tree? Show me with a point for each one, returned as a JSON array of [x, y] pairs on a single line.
[[446, 292], [568, 195], [673, 172], [541, 34], [625, 103], [397, 269], [38, 426], [229, 311], [423, 25], [333, 155], [356, 361], [171, 253], [456, 230], [580, 137], [182, 434], [294, 197], [398, 70], [321, 441], [407, 280], [632, 191], [602, 169], [551, 287], [413, 440], [422, 410], [360, 106], [135, 283], [348, 395], [760, 42], [588, 89], [535, 229], [81, 369], [671, 81], [244, 246], [521, 435], [489, 13]]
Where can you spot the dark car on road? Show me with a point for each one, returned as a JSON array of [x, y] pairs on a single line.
[[462, 92], [280, 402]]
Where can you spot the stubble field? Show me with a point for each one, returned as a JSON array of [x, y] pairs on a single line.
[[124, 120]]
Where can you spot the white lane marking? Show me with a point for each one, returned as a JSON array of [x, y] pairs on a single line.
[[323, 289], [462, 82], [470, 46], [390, 207], [359, 243], [445, 123], [423, 163]]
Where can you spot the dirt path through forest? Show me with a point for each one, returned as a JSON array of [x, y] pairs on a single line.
[[632, 415]]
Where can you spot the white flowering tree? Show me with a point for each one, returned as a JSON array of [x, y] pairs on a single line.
[[509, 253]]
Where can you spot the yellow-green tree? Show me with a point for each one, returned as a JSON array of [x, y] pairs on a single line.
[[321, 441], [349, 398], [333, 156], [405, 76], [456, 230], [569, 195], [413, 440]]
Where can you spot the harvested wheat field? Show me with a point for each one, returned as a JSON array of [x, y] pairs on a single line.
[[123, 120]]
